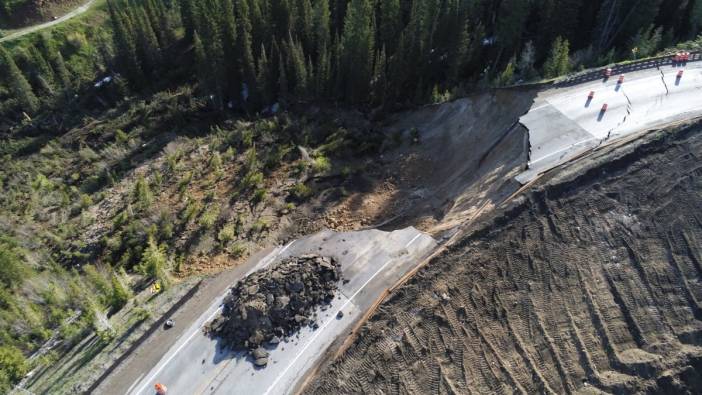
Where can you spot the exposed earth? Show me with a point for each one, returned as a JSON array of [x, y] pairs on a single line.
[[589, 283]]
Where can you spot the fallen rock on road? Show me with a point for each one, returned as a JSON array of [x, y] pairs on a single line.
[[275, 302]]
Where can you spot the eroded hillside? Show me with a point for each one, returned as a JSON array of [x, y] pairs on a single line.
[[589, 284]]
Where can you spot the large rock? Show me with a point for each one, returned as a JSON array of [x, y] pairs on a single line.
[[274, 302]]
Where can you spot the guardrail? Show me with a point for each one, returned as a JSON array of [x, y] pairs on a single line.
[[637, 65]]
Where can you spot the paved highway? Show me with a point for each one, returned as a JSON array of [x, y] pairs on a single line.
[[563, 123], [31, 29], [372, 260]]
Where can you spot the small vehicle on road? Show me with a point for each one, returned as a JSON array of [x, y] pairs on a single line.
[[604, 108]]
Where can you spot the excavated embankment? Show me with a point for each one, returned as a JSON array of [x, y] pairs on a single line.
[[589, 284]]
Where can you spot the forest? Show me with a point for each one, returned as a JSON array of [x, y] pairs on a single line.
[[143, 68], [248, 54]]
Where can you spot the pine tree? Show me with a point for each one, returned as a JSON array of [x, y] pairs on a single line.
[[246, 61], [229, 47], [696, 18], [41, 72], [120, 294], [148, 51], [558, 62], [55, 59], [124, 43], [17, 83], [389, 23], [321, 26], [303, 21], [263, 77], [189, 16], [357, 50]]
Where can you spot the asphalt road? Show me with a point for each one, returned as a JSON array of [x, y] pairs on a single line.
[[563, 123], [372, 260], [31, 29]]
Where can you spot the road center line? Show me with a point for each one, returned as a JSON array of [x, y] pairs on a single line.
[[163, 365], [330, 320]]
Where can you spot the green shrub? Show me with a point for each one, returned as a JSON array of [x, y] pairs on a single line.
[[321, 164], [301, 191], [252, 180], [142, 192], [216, 161], [237, 250], [121, 137], [120, 293], [226, 234], [154, 262], [12, 269], [184, 182], [209, 217], [191, 209], [259, 196], [260, 226], [13, 364]]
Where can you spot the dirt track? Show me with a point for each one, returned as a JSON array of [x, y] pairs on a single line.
[[590, 283]]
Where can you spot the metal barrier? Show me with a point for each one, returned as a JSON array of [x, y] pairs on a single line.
[[626, 68]]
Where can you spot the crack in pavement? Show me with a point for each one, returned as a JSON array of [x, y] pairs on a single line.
[[629, 107], [667, 92]]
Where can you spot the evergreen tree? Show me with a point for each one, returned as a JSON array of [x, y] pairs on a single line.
[[148, 48], [321, 26], [189, 16], [120, 294], [246, 61], [357, 50], [125, 44], [40, 71], [17, 83], [389, 23], [696, 18], [62, 77], [202, 65], [303, 21], [558, 62]]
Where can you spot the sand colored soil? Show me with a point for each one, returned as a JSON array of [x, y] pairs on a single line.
[[588, 283]]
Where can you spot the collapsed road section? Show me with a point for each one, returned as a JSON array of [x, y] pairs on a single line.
[[588, 284], [368, 261], [565, 122]]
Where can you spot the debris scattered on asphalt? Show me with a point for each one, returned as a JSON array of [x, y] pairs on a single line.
[[274, 303]]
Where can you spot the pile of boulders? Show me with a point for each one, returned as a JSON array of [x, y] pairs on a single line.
[[272, 304]]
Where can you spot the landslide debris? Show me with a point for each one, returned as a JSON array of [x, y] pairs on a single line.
[[588, 284], [275, 302]]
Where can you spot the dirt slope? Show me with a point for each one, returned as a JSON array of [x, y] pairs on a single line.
[[589, 284]]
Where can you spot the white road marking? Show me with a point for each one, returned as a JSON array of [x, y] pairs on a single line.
[[163, 365], [413, 239], [321, 329], [135, 382]]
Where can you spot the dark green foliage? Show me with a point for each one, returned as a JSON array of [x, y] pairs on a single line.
[[17, 82], [253, 53], [12, 267]]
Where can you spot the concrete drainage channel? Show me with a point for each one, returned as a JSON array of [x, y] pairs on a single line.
[[370, 261]]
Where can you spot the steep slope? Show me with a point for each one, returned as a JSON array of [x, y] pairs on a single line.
[[589, 284]]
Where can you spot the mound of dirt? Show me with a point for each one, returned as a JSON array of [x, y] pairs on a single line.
[[589, 284], [276, 302]]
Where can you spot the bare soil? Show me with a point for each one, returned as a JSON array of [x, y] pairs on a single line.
[[589, 283], [443, 164]]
